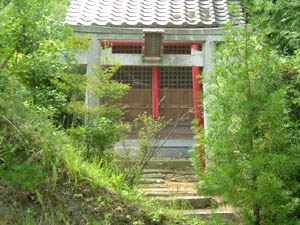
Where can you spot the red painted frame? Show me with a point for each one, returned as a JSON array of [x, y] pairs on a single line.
[[196, 90], [155, 91], [198, 113], [139, 43]]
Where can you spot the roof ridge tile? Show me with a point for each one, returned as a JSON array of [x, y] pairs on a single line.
[[153, 13]]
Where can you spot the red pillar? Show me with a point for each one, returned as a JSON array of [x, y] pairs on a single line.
[[155, 91], [198, 112], [196, 90]]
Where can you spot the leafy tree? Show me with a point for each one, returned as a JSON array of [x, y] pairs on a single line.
[[39, 53], [32, 51], [291, 72], [59, 9], [102, 124], [252, 144], [280, 19], [36, 50]]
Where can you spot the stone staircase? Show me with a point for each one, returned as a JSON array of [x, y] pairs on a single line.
[[172, 183], [169, 179]]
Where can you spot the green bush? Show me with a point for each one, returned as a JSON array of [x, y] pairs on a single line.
[[27, 175], [98, 135], [134, 159], [251, 143]]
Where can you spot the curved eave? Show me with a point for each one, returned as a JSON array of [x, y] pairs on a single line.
[[139, 30]]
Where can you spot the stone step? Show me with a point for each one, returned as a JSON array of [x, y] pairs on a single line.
[[171, 177], [192, 202], [154, 175], [206, 214], [142, 186], [170, 189], [166, 171], [184, 178], [157, 193], [161, 142], [161, 152], [174, 152], [170, 164], [165, 149], [172, 185], [176, 180], [152, 181]]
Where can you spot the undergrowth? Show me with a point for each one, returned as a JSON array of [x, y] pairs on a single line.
[[45, 178]]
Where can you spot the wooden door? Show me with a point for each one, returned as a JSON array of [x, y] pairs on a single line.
[[176, 100], [176, 97], [137, 102], [177, 104], [139, 98]]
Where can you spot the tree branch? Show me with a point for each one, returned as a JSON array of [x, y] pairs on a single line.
[[157, 145], [3, 65], [11, 123]]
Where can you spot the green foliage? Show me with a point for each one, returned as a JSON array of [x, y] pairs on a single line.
[[102, 123], [59, 9], [39, 53], [27, 175], [36, 51], [25, 144], [252, 146], [98, 135], [280, 20], [18, 27], [103, 86], [133, 159], [291, 72], [148, 133], [44, 177]]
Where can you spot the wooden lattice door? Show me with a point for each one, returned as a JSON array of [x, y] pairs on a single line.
[[176, 92], [176, 99], [139, 98], [176, 96]]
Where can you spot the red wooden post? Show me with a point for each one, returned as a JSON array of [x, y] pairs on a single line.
[[198, 112], [196, 90], [155, 91]]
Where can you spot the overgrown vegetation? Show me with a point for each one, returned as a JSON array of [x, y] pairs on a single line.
[[133, 159], [252, 143], [56, 165], [46, 180], [279, 20], [99, 127], [47, 177]]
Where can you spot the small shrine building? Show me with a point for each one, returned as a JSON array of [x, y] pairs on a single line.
[[162, 45]]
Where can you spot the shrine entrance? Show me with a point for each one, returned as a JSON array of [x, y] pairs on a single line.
[[176, 93], [176, 100], [142, 39], [175, 96], [139, 98]]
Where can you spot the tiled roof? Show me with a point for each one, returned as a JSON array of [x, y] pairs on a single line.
[[153, 13]]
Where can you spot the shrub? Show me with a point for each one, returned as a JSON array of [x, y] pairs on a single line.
[[134, 159], [98, 135], [252, 147]]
